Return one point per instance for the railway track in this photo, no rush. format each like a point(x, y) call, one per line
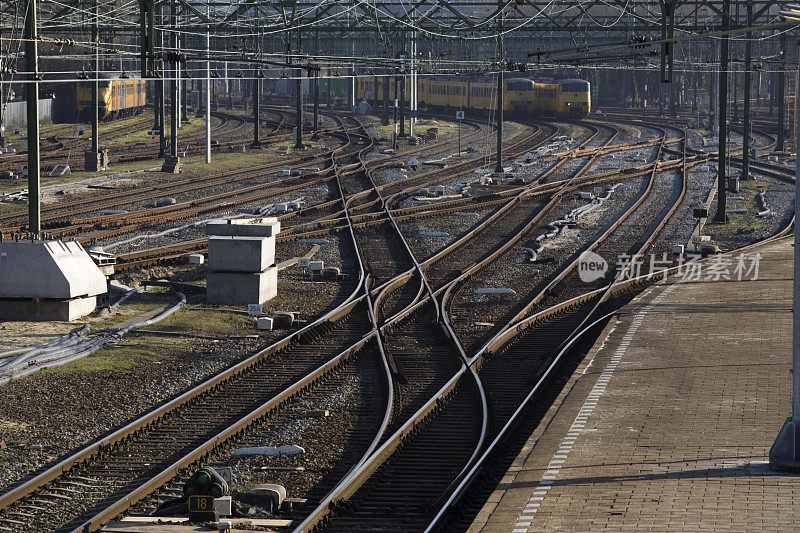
point(361, 502)
point(443, 407)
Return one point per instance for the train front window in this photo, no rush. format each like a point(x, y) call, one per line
point(574, 87)
point(519, 86)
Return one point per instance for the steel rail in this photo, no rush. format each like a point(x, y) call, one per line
point(147, 488)
point(349, 485)
point(519, 329)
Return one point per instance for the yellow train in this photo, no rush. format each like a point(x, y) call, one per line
point(118, 97)
point(568, 98)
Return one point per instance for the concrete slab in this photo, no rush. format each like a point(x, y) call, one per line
point(244, 227)
point(241, 254)
point(668, 422)
point(149, 524)
point(241, 288)
point(40, 310)
point(48, 269)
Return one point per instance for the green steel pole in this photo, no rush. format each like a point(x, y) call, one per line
point(32, 95)
point(498, 167)
point(174, 91)
point(748, 57)
point(723, 119)
point(96, 84)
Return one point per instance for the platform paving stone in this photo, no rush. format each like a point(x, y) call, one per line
point(667, 423)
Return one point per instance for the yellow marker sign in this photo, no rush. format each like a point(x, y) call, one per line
point(201, 504)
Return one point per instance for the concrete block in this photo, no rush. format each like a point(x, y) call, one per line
point(265, 323)
point(273, 495)
point(48, 269)
point(60, 170)
point(492, 290)
point(270, 451)
point(42, 310)
point(293, 504)
point(172, 165)
point(196, 259)
point(94, 161)
point(244, 227)
point(241, 288)
point(316, 266)
point(282, 319)
point(161, 202)
point(330, 273)
point(241, 254)
point(223, 505)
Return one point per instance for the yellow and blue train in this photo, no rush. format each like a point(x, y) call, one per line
point(119, 97)
point(567, 98)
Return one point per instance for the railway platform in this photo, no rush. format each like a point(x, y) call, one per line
point(667, 423)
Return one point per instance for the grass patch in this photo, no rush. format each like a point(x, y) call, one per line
point(125, 312)
point(224, 161)
point(12, 208)
point(193, 166)
point(207, 322)
point(420, 128)
point(740, 223)
point(197, 124)
point(123, 357)
point(751, 187)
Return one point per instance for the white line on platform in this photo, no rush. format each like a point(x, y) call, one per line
point(554, 467)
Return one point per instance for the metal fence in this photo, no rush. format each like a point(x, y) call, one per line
point(16, 114)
